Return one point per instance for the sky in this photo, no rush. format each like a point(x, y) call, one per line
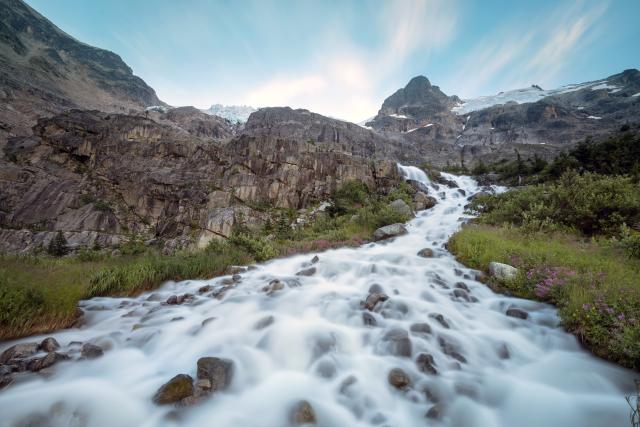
point(342, 58)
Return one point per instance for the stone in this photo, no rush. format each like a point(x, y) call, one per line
point(303, 414)
point(204, 289)
point(426, 253)
point(176, 389)
point(307, 272)
point(273, 286)
point(218, 371)
point(368, 319)
point(440, 319)
point(265, 322)
point(208, 320)
point(451, 350)
point(435, 412)
point(502, 271)
point(399, 378)
point(401, 207)
point(376, 289)
point(315, 259)
point(426, 364)
point(91, 351)
point(47, 361)
point(517, 313)
point(49, 344)
point(422, 201)
point(420, 328)
point(461, 293)
point(389, 231)
point(373, 300)
point(19, 351)
point(462, 285)
point(398, 341)
point(6, 380)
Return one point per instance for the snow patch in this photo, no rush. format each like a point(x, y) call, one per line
point(594, 117)
point(420, 127)
point(635, 94)
point(233, 113)
point(398, 116)
point(603, 86)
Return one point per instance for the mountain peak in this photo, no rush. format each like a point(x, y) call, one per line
point(418, 82)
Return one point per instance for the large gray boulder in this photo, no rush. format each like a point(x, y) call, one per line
point(502, 271)
point(422, 201)
point(402, 207)
point(389, 231)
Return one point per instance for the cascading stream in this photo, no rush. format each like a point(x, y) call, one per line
point(312, 341)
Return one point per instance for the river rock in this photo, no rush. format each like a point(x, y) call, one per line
point(303, 413)
point(422, 201)
point(49, 344)
point(307, 272)
point(426, 363)
point(176, 389)
point(19, 351)
point(47, 361)
point(273, 286)
point(315, 259)
point(426, 253)
point(451, 350)
point(399, 342)
point(435, 412)
point(389, 231)
point(420, 328)
point(399, 378)
point(517, 313)
point(368, 319)
point(401, 207)
point(461, 293)
point(91, 351)
point(265, 322)
point(205, 289)
point(376, 289)
point(502, 271)
point(373, 300)
point(440, 319)
point(217, 371)
point(462, 285)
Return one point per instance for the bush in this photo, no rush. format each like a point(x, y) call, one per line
point(590, 203)
point(58, 245)
point(19, 306)
point(258, 247)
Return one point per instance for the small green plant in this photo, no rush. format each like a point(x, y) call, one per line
point(58, 245)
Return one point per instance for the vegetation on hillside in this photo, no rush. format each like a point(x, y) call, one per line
point(574, 235)
point(39, 293)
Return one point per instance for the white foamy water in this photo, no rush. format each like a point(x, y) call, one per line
point(515, 373)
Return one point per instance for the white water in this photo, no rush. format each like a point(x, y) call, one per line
point(318, 339)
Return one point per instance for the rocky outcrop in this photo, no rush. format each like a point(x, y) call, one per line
point(104, 179)
point(44, 71)
point(502, 271)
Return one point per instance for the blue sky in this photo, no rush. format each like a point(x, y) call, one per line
point(342, 58)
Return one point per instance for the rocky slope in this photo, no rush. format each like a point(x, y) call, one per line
point(44, 71)
point(529, 121)
point(107, 178)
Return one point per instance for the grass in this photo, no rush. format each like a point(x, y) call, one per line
point(40, 293)
point(594, 284)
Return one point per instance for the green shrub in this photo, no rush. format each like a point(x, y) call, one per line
point(590, 203)
point(256, 246)
point(19, 306)
point(132, 247)
point(58, 245)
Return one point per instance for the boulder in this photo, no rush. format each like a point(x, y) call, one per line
point(426, 363)
point(307, 272)
point(389, 231)
point(399, 378)
point(373, 300)
point(420, 328)
point(273, 286)
point(49, 344)
point(418, 186)
point(440, 319)
point(517, 313)
point(19, 351)
point(426, 253)
point(401, 207)
point(398, 341)
point(502, 271)
point(217, 371)
point(47, 361)
point(368, 319)
point(376, 289)
point(91, 351)
point(423, 201)
point(435, 412)
point(303, 413)
point(176, 389)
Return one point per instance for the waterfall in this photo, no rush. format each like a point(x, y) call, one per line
point(443, 336)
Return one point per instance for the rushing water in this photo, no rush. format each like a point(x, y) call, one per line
point(518, 373)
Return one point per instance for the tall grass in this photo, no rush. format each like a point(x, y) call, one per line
point(594, 284)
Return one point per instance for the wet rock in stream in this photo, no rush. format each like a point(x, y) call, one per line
point(399, 378)
point(398, 342)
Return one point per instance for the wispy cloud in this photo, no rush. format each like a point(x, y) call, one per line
point(345, 83)
point(523, 53)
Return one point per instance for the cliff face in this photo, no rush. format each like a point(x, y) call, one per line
point(104, 178)
point(44, 71)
